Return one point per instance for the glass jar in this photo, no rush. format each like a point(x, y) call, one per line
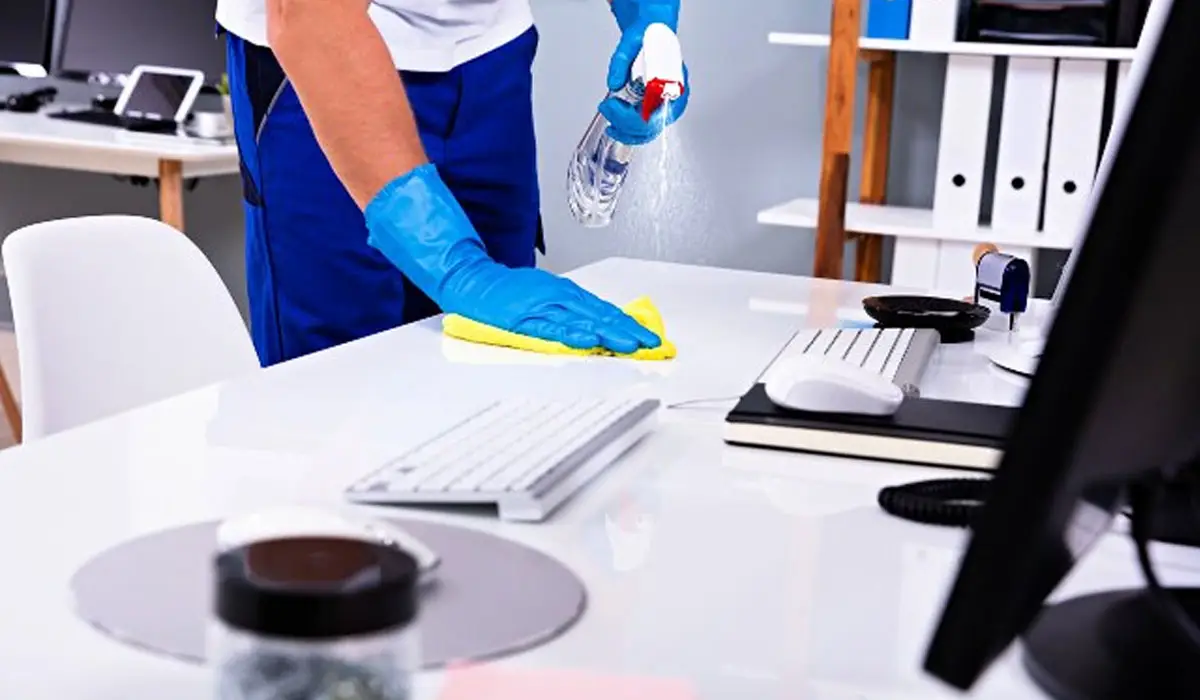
point(315, 618)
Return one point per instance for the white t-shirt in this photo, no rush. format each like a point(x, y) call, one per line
point(423, 35)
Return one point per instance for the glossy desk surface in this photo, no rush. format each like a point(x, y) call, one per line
point(736, 573)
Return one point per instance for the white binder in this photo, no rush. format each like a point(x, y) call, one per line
point(962, 154)
point(1021, 153)
point(933, 20)
point(915, 263)
point(1074, 144)
point(956, 269)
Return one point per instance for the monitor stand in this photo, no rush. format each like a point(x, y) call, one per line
point(1020, 358)
point(1113, 646)
point(1119, 645)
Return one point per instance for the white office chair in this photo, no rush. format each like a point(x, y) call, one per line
point(114, 312)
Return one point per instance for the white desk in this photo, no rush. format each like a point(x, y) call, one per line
point(35, 139)
point(746, 574)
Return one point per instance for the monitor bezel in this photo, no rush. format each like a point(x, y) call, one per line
point(97, 77)
point(44, 69)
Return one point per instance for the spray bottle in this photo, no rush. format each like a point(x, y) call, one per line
point(600, 163)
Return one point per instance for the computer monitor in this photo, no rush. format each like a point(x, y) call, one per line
point(26, 35)
point(105, 40)
point(1112, 418)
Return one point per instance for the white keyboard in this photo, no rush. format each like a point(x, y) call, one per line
point(899, 354)
point(524, 456)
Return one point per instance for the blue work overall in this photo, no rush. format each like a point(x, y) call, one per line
point(313, 281)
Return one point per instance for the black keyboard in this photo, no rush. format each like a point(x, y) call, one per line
point(89, 117)
point(104, 118)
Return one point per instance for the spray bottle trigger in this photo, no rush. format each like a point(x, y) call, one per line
point(658, 91)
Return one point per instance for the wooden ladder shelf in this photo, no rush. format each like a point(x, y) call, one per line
point(837, 145)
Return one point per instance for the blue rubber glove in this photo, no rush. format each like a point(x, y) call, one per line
point(625, 120)
point(627, 124)
point(418, 225)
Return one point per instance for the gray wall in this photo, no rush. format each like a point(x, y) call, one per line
point(751, 139)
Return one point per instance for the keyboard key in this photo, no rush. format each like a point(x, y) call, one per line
point(843, 341)
point(899, 350)
point(897, 354)
point(881, 350)
point(861, 349)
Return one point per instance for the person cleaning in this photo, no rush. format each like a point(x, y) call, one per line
point(389, 169)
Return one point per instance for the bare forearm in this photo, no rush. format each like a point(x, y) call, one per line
point(343, 74)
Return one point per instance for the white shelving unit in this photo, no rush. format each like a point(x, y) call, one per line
point(917, 230)
point(959, 48)
point(909, 222)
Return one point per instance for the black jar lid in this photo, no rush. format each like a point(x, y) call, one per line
point(316, 588)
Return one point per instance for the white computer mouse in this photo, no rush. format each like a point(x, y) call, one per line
point(826, 385)
point(298, 521)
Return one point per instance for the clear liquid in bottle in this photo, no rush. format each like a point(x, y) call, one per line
point(598, 170)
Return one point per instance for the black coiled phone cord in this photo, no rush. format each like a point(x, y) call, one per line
point(945, 502)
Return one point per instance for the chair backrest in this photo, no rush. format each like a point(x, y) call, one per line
point(112, 313)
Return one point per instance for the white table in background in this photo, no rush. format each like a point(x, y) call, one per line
point(35, 139)
point(741, 573)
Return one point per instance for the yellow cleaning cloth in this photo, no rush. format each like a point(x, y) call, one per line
point(642, 310)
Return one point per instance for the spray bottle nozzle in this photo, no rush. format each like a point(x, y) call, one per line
point(658, 93)
point(660, 68)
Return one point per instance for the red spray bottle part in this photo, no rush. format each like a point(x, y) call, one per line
point(658, 91)
point(659, 67)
